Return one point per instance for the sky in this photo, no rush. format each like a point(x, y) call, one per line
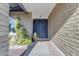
point(12, 22)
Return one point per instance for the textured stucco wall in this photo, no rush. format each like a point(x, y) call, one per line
point(64, 28)
point(26, 20)
point(4, 30)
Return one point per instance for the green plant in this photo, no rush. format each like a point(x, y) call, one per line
point(17, 28)
point(24, 41)
point(22, 35)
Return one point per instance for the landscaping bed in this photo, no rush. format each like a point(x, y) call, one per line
point(17, 50)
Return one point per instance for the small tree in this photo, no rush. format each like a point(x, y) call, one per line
point(21, 32)
point(18, 26)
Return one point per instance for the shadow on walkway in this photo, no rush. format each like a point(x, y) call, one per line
point(28, 50)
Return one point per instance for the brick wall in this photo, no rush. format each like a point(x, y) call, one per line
point(4, 22)
point(64, 28)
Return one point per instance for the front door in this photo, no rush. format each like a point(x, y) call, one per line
point(40, 26)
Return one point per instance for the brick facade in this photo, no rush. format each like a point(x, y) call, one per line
point(4, 22)
point(64, 28)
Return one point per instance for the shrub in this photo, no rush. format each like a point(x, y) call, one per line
point(22, 35)
point(24, 41)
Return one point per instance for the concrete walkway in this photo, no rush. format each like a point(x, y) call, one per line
point(42, 48)
point(45, 48)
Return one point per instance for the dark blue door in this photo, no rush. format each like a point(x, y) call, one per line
point(40, 26)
